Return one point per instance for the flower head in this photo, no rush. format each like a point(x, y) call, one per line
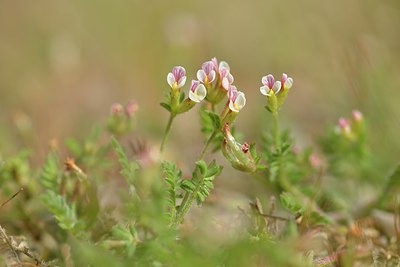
point(315, 161)
point(197, 91)
point(177, 78)
point(237, 99)
point(344, 126)
point(207, 73)
point(286, 81)
point(270, 84)
point(116, 109)
point(357, 116)
point(131, 108)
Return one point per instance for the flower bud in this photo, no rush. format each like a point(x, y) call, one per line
point(131, 108)
point(116, 109)
point(358, 123)
point(357, 116)
point(237, 154)
point(344, 126)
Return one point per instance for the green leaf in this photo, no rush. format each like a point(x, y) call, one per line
point(181, 97)
point(291, 203)
point(49, 177)
point(318, 219)
point(202, 166)
point(128, 168)
point(213, 170)
point(121, 233)
point(173, 177)
point(210, 121)
point(166, 106)
point(392, 187)
point(64, 214)
point(73, 146)
point(188, 186)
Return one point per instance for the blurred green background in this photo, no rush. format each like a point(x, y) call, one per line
point(63, 63)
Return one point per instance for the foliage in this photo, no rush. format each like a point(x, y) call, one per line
point(97, 203)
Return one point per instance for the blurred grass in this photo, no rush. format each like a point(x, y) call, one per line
point(64, 63)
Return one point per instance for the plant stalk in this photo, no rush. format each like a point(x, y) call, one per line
point(190, 197)
point(283, 182)
point(167, 130)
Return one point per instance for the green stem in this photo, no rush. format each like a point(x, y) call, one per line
point(190, 197)
point(276, 130)
point(203, 153)
point(167, 130)
point(284, 183)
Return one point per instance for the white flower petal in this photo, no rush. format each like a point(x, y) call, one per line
point(201, 92)
point(264, 80)
point(223, 65)
point(201, 75)
point(240, 100)
point(181, 81)
point(211, 76)
point(230, 78)
point(277, 86)
point(225, 83)
point(233, 107)
point(194, 97)
point(288, 83)
point(170, 79)
point(264, 90)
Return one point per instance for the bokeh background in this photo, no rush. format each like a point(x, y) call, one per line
point(63, 63)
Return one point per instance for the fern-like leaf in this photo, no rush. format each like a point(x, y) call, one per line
point(58, 206)
point(49, 177)
point(129, 168)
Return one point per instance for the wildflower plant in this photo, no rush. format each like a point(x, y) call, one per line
point(213, 85)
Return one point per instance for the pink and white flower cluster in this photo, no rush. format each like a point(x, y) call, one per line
point(214, 82)
point(218, 81)
point(177, 79)
point(350, 128)
point(270, 85)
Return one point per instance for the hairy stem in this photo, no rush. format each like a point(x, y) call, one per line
point(283, 182)
point(190, 197)
point(167, 130)
point(203, 153)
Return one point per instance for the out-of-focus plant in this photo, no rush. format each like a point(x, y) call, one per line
point(104, 201)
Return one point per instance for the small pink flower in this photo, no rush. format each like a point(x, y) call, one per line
point(275, 86)
point(177, 78)
point(207, 73)
point(131, 108)
point(344, 126)
point(286, 81)
point(357, 116)
point(215, 63)
point(197, 91)
point(226, 77)
point(116, 109)
point(237, 99)
point(223, 71)
point(270, 85)
point(315, 161)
